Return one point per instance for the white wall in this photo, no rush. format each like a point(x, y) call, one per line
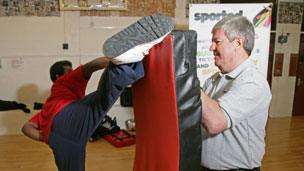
point(283, 87)
point(29, 45)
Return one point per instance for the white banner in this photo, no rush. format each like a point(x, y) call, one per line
point(202, 17)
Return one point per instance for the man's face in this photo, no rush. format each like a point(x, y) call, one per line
point(223, 51)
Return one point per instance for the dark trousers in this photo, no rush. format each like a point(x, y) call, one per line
point(207, 169)
point(75, 123)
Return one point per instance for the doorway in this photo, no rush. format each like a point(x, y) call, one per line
point(298, 107)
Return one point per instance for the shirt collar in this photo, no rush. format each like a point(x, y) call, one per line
point(237, 71)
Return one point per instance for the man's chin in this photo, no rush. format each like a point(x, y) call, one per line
point(217, 64)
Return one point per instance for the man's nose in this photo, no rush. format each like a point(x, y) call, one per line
point(211, 48)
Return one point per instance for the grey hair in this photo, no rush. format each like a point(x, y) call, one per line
point(237, 27)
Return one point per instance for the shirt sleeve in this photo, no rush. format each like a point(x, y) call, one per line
point(242, 100)
point(35, 118)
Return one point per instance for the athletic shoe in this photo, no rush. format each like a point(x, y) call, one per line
point(107, 126)
point(135, 41)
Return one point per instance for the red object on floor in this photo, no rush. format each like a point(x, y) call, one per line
point(155, 109)
point(120, 139)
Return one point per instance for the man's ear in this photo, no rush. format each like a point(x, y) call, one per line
point(238, 42)
point(56, 76)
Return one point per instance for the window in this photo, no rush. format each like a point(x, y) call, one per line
point(113, 5)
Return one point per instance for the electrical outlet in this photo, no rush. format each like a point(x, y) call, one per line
point(65, 46)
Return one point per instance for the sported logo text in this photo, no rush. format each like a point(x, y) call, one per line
point(214, 16)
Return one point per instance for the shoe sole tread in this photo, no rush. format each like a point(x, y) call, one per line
point(144, 30)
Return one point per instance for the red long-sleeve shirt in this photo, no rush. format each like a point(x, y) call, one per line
point(65, 90)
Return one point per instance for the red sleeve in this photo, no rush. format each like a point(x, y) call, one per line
point(35, 118)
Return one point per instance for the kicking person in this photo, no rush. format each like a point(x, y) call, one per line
point(68, 117)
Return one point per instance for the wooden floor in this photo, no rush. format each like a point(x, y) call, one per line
point(284, 144)
point(284, 151)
